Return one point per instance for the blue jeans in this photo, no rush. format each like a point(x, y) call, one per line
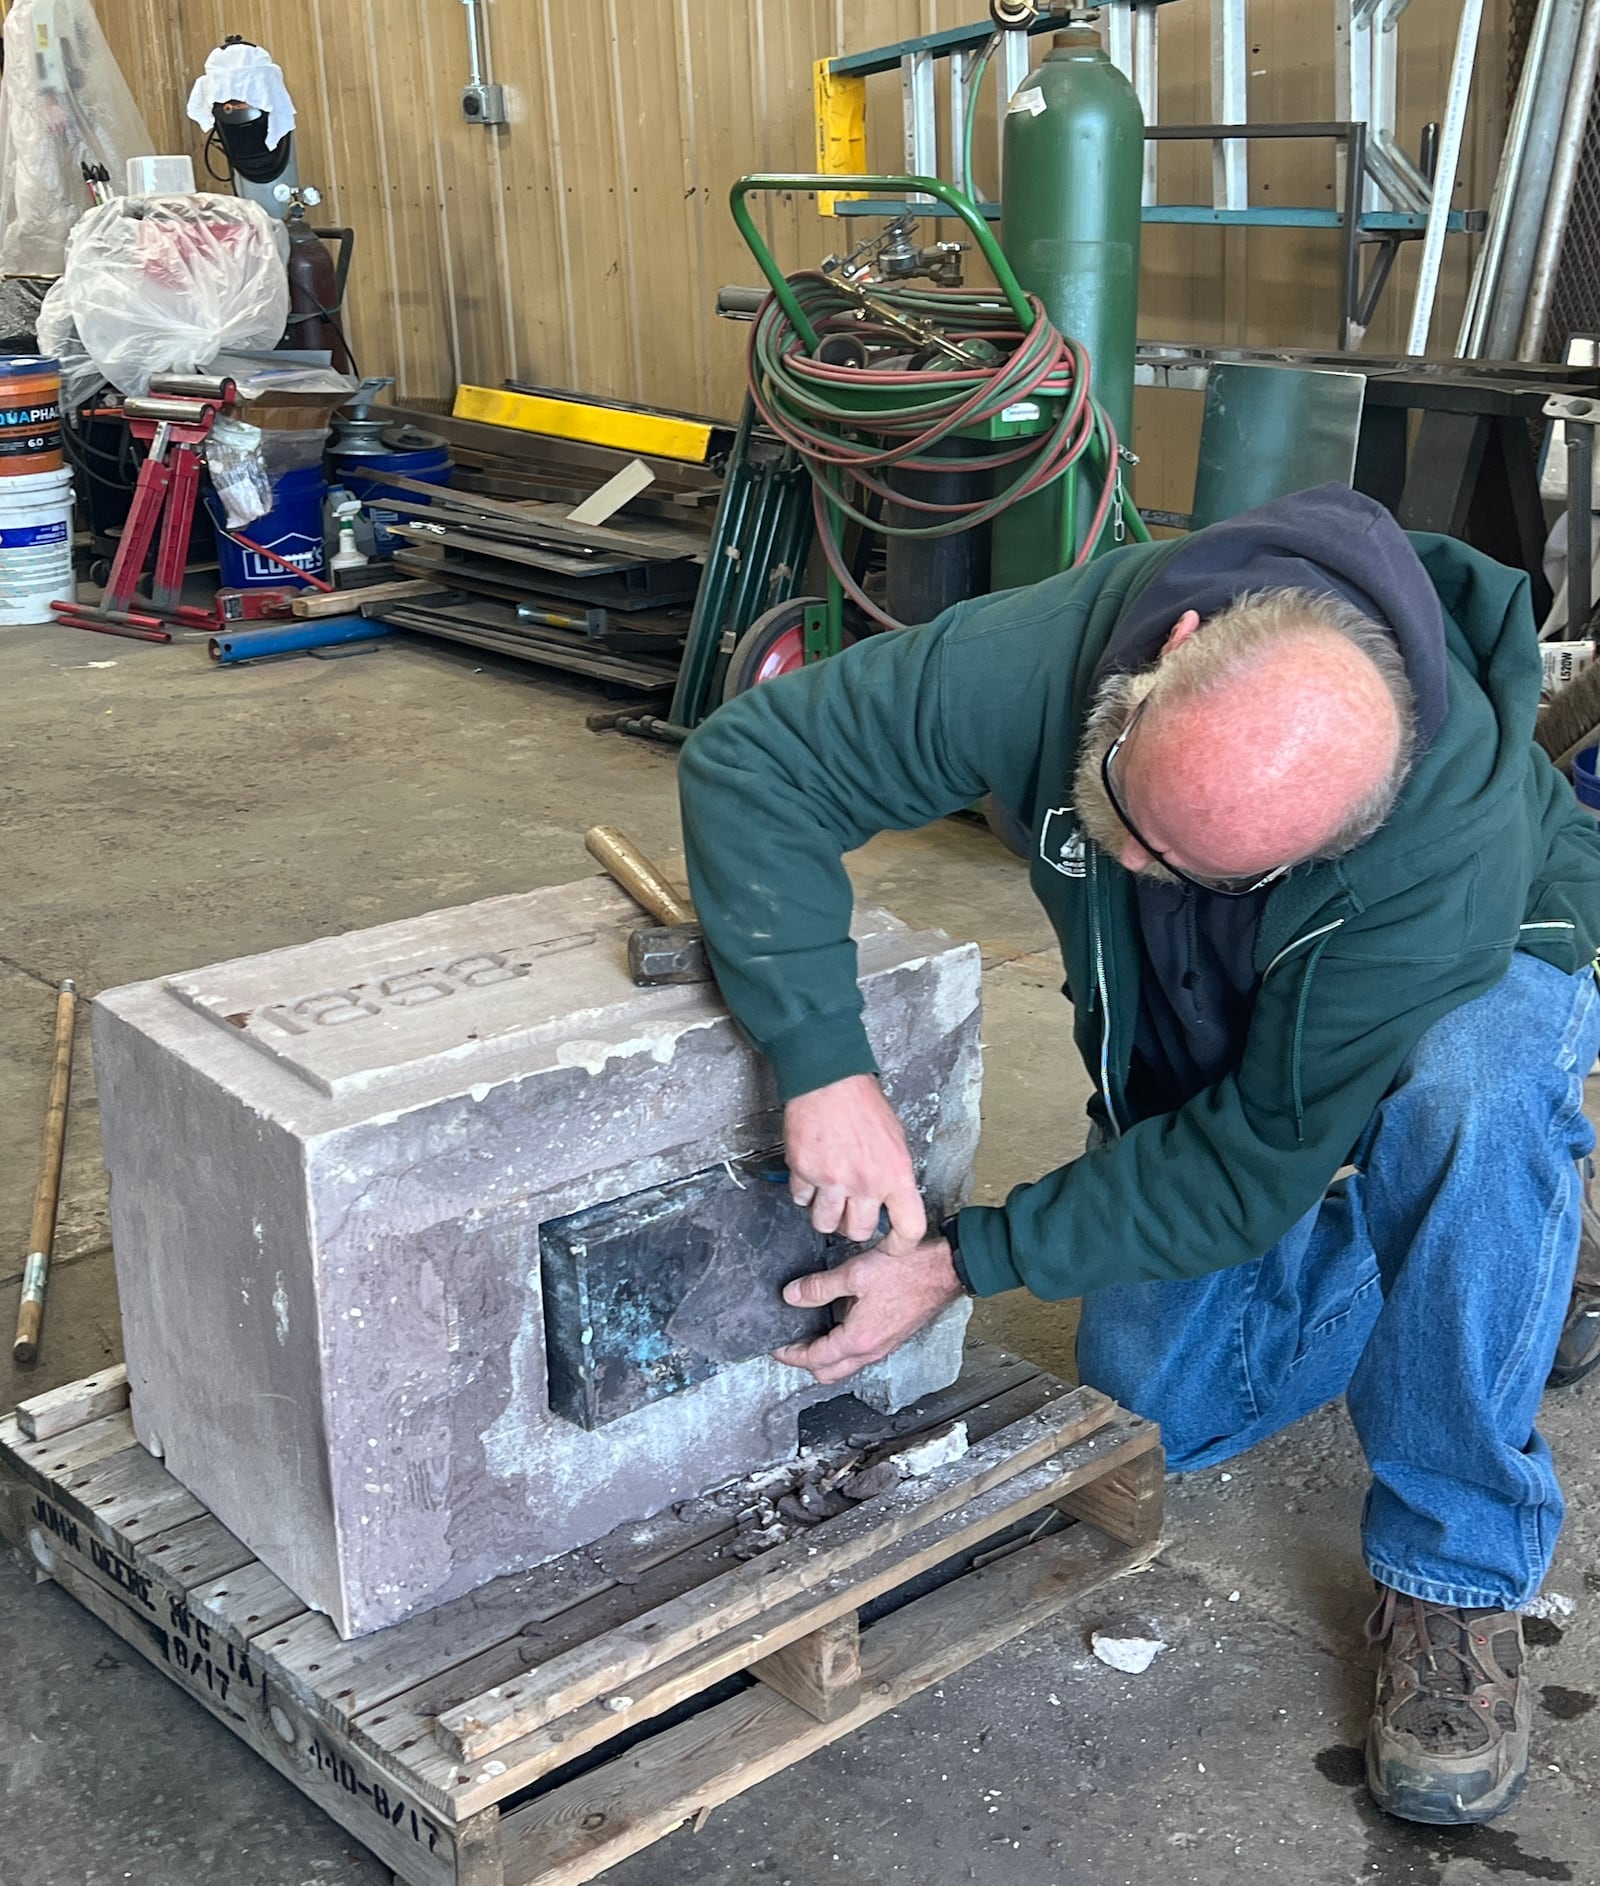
point(1429, 1287)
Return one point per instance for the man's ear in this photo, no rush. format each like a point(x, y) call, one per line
point(1182, 629)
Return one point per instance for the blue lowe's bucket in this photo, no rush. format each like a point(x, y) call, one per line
point(427, 466)
point(1585, 779)
point(293, 528)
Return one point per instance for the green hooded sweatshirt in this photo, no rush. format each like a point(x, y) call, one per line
point(1486, 852)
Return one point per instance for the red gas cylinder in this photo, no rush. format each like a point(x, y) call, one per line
point(313, 292)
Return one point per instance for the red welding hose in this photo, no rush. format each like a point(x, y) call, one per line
point(822, 511)
point(838, 441)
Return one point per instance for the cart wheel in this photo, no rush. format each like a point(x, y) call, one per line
point(773, 645)
point(100, 571)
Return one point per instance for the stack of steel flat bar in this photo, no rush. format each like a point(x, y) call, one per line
point(566, 468)
point(506, 629)
point(611, 600)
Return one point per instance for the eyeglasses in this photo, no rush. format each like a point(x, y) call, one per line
point(1218, 887)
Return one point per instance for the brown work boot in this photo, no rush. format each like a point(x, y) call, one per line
point(1579, 1348)
point(1448, 1741)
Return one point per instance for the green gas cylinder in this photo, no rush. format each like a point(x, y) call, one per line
point(1073, 170)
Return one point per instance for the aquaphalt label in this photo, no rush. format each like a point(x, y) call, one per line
point(27, 430)
point(13, 416)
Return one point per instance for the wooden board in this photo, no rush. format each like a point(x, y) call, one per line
point(355, 1725)
point(59, 1409)
point(820, 1672)
point(578, 465)
point(342, 601)
point(620, 489)
point(596, 425)
point(69, 1453)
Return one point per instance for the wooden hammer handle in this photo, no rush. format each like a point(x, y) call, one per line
point(636, 874)
point(47, 1195)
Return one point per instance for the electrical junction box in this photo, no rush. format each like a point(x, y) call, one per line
point(442, 1249)
point(483, 103)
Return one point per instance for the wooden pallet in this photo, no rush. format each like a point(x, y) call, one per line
point(469, 1746)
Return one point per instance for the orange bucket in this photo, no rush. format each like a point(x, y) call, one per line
point(30, 415)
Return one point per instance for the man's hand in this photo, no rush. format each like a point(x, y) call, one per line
point(848, 1159)
point(896, 1290)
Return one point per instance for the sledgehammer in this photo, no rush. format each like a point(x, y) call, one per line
point(670, 950)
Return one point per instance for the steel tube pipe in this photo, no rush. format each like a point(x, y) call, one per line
point(1486, 268)
point(474, 46)
point(1451, 128)
point(253, 644)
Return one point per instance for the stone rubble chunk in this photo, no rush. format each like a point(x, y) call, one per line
point(1131, 1655)
point(940, 1450)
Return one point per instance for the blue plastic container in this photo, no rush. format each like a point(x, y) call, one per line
point(293, 528)
point(428, 465)
point(1586, 781)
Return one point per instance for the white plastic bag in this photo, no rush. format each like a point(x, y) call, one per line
point(63, 103)
point(162, 284)
point(59, 338)
point(239, 472)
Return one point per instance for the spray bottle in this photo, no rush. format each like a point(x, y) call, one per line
point(348, 556)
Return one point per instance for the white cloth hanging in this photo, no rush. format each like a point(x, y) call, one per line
point(245, 74)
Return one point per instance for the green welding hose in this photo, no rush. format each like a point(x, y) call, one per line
point(974, 84)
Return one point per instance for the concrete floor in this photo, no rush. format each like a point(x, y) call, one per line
point(157, 813)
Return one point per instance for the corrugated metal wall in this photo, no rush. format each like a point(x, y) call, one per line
point(583, 244)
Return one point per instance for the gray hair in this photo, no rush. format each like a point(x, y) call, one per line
point(1264, 619)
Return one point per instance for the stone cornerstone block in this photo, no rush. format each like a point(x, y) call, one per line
point(329, 1169)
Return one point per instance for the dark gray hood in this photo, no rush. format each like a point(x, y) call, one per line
point(1198, 978)
point(1330, 541)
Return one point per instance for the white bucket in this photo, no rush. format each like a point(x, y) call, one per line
point(35, 545)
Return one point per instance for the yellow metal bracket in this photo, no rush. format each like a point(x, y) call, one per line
point(658, 435)
point(841, 105)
